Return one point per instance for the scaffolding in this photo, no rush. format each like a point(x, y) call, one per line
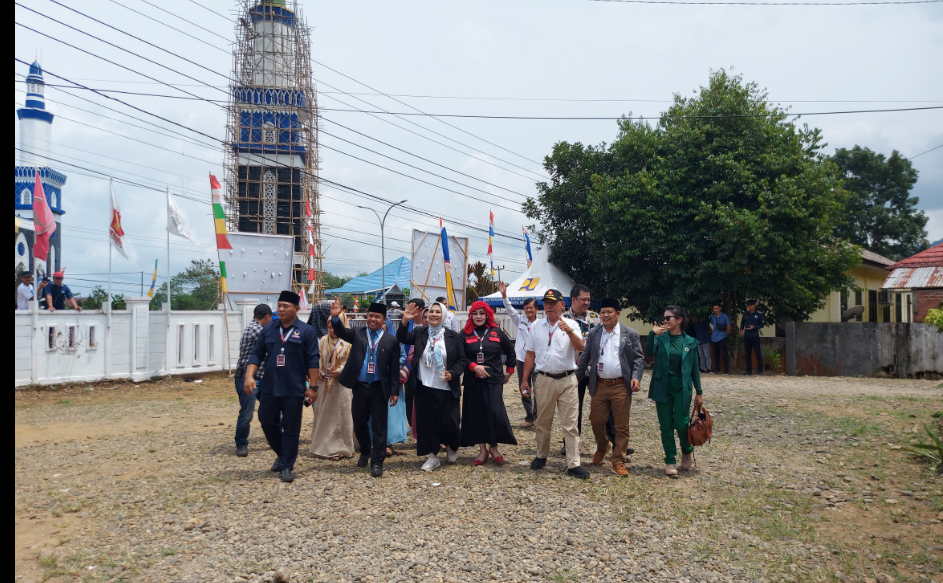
point(272, 160)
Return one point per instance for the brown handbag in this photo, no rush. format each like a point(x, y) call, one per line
point(701, 428)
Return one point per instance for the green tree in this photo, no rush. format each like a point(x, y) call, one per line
point(96, 300)
point(196, 288)
point(724, 199)
point(881, 216)
point(332, 281)
point(484, 284)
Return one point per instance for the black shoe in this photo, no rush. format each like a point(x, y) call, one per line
point(242, 452)
point(376, 471)
point(364, 461)
point(277, 466)
point(578, 472)
point(538, 463)
point(563, 451)
point(629, 451)
point(287, 476)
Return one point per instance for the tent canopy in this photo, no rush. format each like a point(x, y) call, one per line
point(397, 274)
point(535, 282)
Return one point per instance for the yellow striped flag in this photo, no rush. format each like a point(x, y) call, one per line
point(219, 216)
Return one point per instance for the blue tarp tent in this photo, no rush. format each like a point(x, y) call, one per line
point(397, 273)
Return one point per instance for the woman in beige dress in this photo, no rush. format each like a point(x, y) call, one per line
point(332, 436)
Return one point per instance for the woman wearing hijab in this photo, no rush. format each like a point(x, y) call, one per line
point(332, 436)
point(437, 365)
point(484, 418)
point(318, 319)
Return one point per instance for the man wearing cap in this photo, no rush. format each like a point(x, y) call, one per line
point(750, 327)
point(552, 347)
point(24, 292)
point(372, 372)
point(262, 317)
point(579, 312)
point(289, 351)
point(58, 294)
point(615, 361)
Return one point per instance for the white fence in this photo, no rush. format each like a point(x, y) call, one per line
point(137, 344)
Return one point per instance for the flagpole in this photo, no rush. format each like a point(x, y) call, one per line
point(110, 247)
point(168, 257)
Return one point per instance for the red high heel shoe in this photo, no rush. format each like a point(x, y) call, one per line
point(479, 462)
point(499, 459)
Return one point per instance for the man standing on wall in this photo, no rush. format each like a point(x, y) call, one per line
point(289, 350)
point(58, 294)
point(750, 327)
point(262, 317)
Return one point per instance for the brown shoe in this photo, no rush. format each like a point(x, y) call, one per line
point(620, 470)
point(528, 425)
point(687, 461)
point(600, 455)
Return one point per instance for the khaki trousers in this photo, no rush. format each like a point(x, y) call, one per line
point(552, 395)
point(617, 400)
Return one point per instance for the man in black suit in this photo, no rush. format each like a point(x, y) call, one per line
point(372, 372)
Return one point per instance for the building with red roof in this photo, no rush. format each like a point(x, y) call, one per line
point(922, 276)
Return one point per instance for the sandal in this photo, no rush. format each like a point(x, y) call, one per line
point(498, 459)
point(480, 462)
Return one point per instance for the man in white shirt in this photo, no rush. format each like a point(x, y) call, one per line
point(450, 322)
point(523, 324)
point(612, 363)
point(24, 293)
point(552, 347)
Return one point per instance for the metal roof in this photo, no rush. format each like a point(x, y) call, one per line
point(914, 278)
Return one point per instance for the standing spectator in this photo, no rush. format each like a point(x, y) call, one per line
point(554, 359)
point(24, 293)
point(720, 322)
point(405, 373)
point(262, 317)
point(580, 298)
point(523, 331)
point(58, 294)
point(702, 331)
point(750, 327)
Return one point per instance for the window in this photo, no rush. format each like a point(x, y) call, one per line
point(73, 336)
point(51, 339)
point(872, 305)
point(180, 345)
point(898, 308)
point(910, 308)
point(211, 345)
point(269, 202)
point(859, 301)
point(196, 345)
point(886, 314)
point(843, 303)
point(92, 338)
point(26, 197)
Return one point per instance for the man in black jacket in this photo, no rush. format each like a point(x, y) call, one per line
point(372, 372)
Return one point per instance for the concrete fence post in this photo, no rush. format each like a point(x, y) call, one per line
point(140, 334)
point(790, 328)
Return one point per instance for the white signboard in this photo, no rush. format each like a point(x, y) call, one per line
point(259, 265)
point(427, 280)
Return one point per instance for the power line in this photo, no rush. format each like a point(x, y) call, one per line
point(223, 16)
point(927, 152)
point(185, 20)
point(680, 3)
point(171, 27)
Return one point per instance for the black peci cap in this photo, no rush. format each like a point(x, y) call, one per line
point(611, 303)
point(378, 308)
point(289, 297)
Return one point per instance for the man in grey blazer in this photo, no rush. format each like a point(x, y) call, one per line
point(613, 362)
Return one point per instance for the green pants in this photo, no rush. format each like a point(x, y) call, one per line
point(673, 416)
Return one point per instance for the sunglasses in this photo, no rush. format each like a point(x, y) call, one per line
point(666, 318)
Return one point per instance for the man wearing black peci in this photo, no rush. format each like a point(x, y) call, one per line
point(372, 372)
point(289, 349)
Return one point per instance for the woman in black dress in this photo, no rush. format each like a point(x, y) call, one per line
point(484, 419)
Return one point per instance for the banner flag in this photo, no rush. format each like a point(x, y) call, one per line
point(150, 293)
point(115, 230)
point(175, 221)
point(311, 250)
point(43, 221)
point(530, 256)
point(219, 217)
point(450, 292)
point(490, 244)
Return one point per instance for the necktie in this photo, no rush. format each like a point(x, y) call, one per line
point(372, 356)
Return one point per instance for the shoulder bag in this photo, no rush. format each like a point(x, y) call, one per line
point(701, 428)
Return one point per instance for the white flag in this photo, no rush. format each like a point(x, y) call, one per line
point(175, 221)
point(115, 231)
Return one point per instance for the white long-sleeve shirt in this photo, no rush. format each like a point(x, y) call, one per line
point(523, 331)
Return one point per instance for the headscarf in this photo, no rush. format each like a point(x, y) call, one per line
point(479, 305)
point(334, 353)
point(320, 314)
point(432, 356)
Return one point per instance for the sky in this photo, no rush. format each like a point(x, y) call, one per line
point(523, 58)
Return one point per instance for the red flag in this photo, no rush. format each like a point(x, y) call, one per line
point(44, 221)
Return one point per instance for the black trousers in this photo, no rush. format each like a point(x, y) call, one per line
point(752, 345)
point(530, 405)
point(409, 389)
point(369, 402)
point(438, 420)
point(281, 422)
point(720, 352)
point(610, 425)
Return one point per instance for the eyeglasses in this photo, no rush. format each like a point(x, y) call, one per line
point(666, 318)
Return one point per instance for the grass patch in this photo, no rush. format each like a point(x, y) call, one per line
point(64, 402)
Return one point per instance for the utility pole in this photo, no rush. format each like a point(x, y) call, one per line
point(499, 269)
point(383, 238)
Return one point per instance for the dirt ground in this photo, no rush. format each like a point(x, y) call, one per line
point(806, 479)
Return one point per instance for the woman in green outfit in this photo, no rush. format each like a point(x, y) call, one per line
point(676, 372)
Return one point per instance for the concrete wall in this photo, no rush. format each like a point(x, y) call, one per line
point(864, 349)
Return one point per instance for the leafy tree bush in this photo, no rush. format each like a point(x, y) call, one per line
point(196, 288)
point(96, 300)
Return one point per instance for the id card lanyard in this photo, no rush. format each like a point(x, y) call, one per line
point(481, 351)
point(372, 366)
point(602, 348)
point(281, 332)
